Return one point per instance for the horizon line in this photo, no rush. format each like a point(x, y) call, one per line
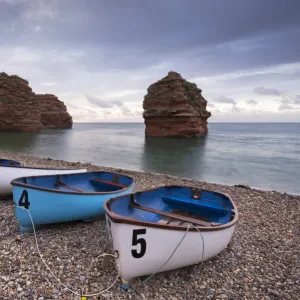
point(116, 122)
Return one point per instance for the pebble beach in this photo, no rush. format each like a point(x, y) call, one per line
point(261, 262)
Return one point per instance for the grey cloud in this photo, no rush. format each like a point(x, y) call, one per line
point(126, 111)
point(86, 113)
point(79, 22)
point(102, 45)
point(253, 102)
point(224, 99)
point(132, 113)
point(133, 35)
point(297, 100)
point(235, 109)
point(287, 100)
point(103, 103)
point(266, 91)
point(284, 107)
point(292, 100)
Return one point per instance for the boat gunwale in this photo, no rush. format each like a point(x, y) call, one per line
point(10, 160)
point(116, 218)
point(37, 168)
point(29, 186)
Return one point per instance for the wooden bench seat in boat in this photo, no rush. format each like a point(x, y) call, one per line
point(181, 200)
point(60, 183)
point(77, 189)
point(170, 221)
point(109, 182)
point(172, 215)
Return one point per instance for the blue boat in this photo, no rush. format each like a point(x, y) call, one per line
point(66, 197)
point(8, 162)
point(168, 227)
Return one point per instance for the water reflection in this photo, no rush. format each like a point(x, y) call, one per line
point(176, 156)
point(18, 141)
point(55, 143)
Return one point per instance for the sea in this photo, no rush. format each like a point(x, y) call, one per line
point(262, 155)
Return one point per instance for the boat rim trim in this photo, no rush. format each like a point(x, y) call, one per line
point(50, 169)
point(116, 218)
point(26, 185)
point(11, 161)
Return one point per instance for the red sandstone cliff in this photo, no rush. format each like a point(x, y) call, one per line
point(53, 112)
point(175, 107)
point(23, 110)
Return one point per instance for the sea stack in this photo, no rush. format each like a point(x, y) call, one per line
point(23, 110)
point(175, 107)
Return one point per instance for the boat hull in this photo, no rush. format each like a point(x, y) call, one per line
point(144, 250)
point(48, 207)
point(8, 173)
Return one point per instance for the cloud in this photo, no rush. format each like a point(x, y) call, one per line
point(38, 28)
point(103, 103)
point(71, 105)
point(249, 30)
point(253, 102)
point(266, 91)
point(49, 83)
point(117, 49)
point(126, 111)
point(285, 106)
point(297, 100)
point(224, 99)
point(235, 109)
point(292, 100)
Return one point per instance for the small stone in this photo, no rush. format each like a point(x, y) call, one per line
point(94, 284)
point(82, 278)
point(143, 296)
point(209, 291)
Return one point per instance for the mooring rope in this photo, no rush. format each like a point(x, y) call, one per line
point(172, 254)
point(112, 255)
point(57, 279)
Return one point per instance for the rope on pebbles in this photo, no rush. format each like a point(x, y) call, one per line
point(57, 279)
point(81, 294)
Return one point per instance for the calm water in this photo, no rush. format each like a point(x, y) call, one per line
point(265, 156)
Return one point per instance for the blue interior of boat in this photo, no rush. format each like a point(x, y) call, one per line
point(211, 207)
point(7, 162)
point(82, 182)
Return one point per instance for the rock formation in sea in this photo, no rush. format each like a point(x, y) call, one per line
point(175, 107)
point(53, 112)
point(23, 110)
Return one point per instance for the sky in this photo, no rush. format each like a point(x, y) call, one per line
point(99, 57)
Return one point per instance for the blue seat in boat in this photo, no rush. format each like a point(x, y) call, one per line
point(185, 201)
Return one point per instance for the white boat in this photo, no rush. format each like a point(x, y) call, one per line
point(146, 228)
point(10, 170)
